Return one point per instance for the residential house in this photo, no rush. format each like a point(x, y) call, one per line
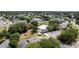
point(43, 28)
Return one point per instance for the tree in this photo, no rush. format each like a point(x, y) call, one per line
point(55, 42)
point(18, 27)
point(45, 17)
point(50, 43)
point(14, 36)
point(13, 43)
point(77, 18)
point(21, 17)
point(29, 26)
point(3, 33)
point(28, 19)
point(50, 28)
point(33, 45)
point(34, 26)
point(1, 41)
point(77, 22)
point(53, 25)
point(68, 36)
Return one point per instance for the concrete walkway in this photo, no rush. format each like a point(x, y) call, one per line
point(5, 44)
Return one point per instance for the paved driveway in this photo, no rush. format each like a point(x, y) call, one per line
point(5, 44)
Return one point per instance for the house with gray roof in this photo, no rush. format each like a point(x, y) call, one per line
point(63, 25)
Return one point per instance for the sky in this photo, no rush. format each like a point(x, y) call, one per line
point(39, 5)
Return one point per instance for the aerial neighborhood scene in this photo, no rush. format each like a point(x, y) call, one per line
point(39, 29)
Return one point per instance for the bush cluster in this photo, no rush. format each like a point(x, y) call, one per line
point(69, 35)
point(45, 43)
point(34, 26)
point(53, 25)
point(18, 27)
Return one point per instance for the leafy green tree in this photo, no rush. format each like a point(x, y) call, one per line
point(34, 26)
point(14, 36)
point(77, 18)
point(55, 42)
point(29, 26)
point(77, 22)
point(28, 19)
point(1, 41)
point(53, 25)
point(68, 36)
point(13, 43)
point(18, 27)
point(50, 28)
point(21, 17)
point(50, 43)
point(3, 33)
point(45, 17)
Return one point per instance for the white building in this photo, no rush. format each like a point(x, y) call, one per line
point(43, 28)
point(37, 19)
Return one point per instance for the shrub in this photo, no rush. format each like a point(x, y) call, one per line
point(34, 26)
point(1, 41)
point(33, 45)
point(77, 22)
point(6, 34)
point(50, 43)
point(29, 26)
point(28, 19)
point(3, 34)
point(50, 28)
point(14, 36)
point(13, 43)
point(55, 42)
point(21, 17)
point(53, 25)
point(77, 19)
point(45, 17)
point(34, 23)
point(68, 36)
point(45, 43)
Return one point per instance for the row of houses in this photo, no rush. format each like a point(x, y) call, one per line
point(63, 25)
